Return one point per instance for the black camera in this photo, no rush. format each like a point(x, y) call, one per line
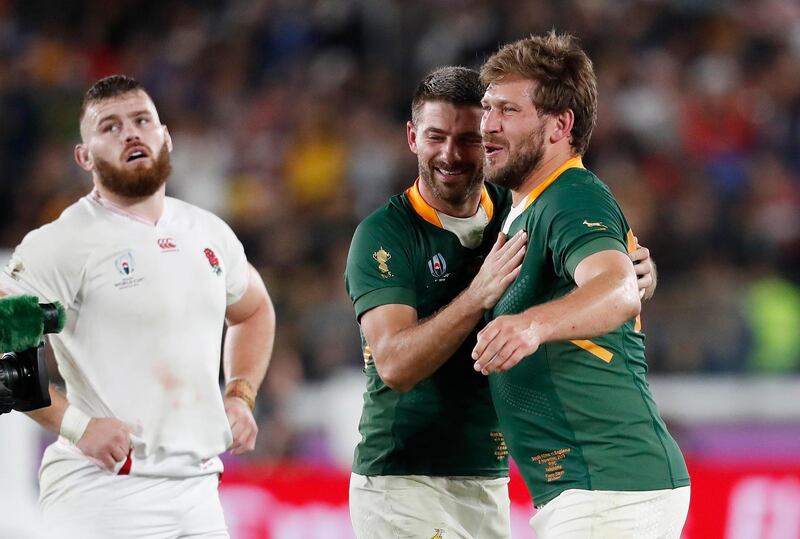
point(24, 376)
point(23, 371)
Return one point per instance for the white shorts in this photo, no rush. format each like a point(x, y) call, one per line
point(419, 506)
point(603, 514)
point(97, 504)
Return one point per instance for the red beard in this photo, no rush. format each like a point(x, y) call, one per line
point(138, 182)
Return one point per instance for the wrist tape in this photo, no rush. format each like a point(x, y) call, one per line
point(238, 387)
point(74, 424)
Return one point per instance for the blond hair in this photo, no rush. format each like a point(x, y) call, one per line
point(565, 77)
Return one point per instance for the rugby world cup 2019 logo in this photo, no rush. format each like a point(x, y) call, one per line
point(437, 265)
point(125, 264)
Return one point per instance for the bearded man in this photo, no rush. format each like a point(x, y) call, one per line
point(147, 282)
point(421, 272)
point(563, 351)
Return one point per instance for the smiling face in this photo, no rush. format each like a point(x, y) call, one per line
point(447, 141)
point(124, 145)
point(513, 132)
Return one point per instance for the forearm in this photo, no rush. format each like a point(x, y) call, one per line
point(415, 353)
point(598, 306)
point(50, 418)
point(248, 346)
point(406, 350)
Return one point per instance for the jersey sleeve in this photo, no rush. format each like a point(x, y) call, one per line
point(236, 267)
point(379, 269)
point(584, 221)
point(45, 266)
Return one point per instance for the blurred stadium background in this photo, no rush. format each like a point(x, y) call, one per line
point(288, 120)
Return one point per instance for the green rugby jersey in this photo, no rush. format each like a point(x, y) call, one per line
point(579, 414)
point(444, 426)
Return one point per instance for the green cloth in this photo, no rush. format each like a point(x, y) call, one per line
point(444, 426)
point(571, 419)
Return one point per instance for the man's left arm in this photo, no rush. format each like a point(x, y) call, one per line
point(607, 296)
point(248, 347)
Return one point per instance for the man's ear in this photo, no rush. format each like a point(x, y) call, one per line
point(83, 158)
point(562, 126)
point(411, 135)
point(167, 138)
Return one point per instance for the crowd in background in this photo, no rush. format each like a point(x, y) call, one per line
point(288, 118)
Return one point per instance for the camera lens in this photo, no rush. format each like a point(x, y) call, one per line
point(11, 371)
point(50, 317)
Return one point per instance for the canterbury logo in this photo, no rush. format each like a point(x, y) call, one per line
point(167, 243)
point(601, 226)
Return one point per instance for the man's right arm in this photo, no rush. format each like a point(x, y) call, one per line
point(50, 418)
point(406, 350)
point(105, 440)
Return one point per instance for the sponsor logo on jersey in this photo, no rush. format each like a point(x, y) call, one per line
point(124, 264)
point(599, 226)
point(213, 261)
point(437, 265)
point(167, 244)
point(382, 256)
point(438, 533)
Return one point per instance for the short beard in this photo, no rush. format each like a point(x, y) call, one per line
point(456, 198)
point(520, 165)
point(140, 182)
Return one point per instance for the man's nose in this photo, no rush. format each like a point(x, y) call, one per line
point(130, 133)
point(452, 151)
point(490, 121)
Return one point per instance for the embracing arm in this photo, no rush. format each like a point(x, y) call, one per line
point(248, 347)
point(406, 350)
point(606, 297)
point(645, 268)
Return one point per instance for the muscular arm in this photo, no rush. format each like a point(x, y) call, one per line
point(106, 440)
point(248, 347)
point(50, 417)
point(406, 350)
point(607, 295)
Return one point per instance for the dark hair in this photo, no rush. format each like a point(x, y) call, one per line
point(451, 84)
point(107, 87)
point(564, 74)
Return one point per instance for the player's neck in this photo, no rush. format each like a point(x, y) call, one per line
point(147, 209)
point(467, 208)
point(554, 158)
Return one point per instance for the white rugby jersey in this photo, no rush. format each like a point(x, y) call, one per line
point(145, 308)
